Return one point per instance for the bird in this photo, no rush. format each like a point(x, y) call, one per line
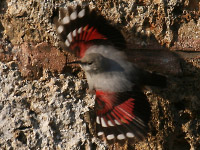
point(122, 110)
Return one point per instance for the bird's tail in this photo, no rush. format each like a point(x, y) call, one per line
point(154, 79)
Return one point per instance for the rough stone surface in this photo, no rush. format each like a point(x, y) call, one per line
point(5, 51)
point(33, 59)
point(52, 111)
point(39, 114)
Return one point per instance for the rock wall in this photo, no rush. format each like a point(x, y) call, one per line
point(44, 103)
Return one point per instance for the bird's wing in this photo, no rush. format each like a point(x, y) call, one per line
point(122, 116)
point(81, 27)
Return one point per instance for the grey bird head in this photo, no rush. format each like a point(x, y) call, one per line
point(93, 63)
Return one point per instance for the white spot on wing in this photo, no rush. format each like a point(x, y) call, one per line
point(117, 122)
point(100, 133)
point(73, 16)
point(65, 20)
point(69, 36)
point(103, 123)
point(129, 134)
point(81, 13)
point(110, 137)
point(120, 137)
point(110, 123)
point(60, 29)
point(79, 30)
point(98, 120)
point(74, 33)
point(67, 42)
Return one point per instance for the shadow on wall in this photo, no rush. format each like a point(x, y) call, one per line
point(1, 30)
point(180, 115)
point(176, 108)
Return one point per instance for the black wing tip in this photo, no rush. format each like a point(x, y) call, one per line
point(159, 80)
point(113, 34)
point(153, 79)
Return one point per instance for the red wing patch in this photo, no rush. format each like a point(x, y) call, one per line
point(82, 27)
point(121, 116)
point(81, 40)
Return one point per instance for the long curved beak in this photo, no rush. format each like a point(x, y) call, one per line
point(75, 62)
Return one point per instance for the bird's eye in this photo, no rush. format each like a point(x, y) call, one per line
point(90, 63)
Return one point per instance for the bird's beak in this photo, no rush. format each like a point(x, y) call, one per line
point(74, 62)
